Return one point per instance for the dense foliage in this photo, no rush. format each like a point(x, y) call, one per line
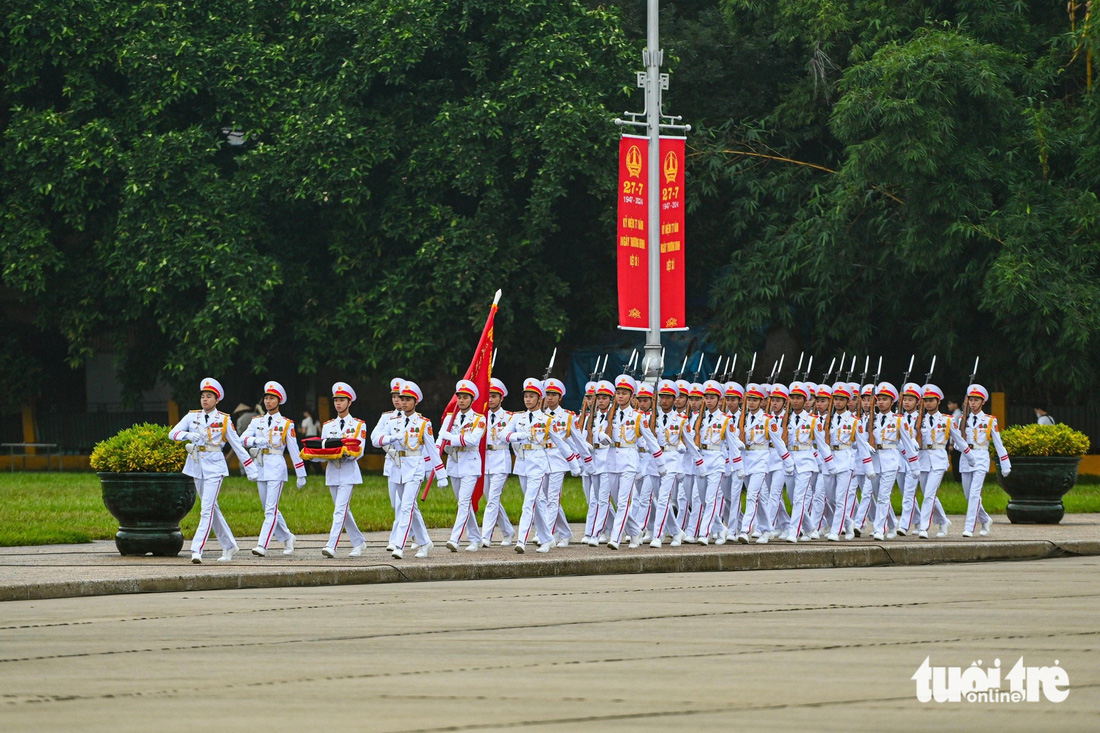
point(1045, 440)
point(883, 175)
point(144, 448)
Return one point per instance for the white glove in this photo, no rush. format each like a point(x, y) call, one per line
point(301, 482)
point(195, 438)
point(661, 470)
point(574, 469)
point(442, 481)
point(190, 447)
point(521, 437)
point(447, 435)
point(260, 443)
point(740, 473)
point(871, 475)
point(871, 449)
point(788, 470)
point(971, 459)
point(1006, 468)
point(252, 474)
point(605, 439)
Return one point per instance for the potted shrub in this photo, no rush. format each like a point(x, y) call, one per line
point(1044, 469)
point(144, 490)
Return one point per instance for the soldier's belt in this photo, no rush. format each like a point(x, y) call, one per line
point(842, 447)
point(887, 445)
point(710, 447)
point(272, 451)
point(799, 447)
point(758, 447)
point(496, 447)
point(535, 446)
point(621, 444)
point(208, 449)
point(978, 445)
point(935, 446)
point(463, 448)
point(406, 453)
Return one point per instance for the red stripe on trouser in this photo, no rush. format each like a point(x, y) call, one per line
point(626, 515)
point(211, 523)
point(275, 519)
point(343, 521)
point(412, 513)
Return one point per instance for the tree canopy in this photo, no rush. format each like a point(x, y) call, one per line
point(341, 185)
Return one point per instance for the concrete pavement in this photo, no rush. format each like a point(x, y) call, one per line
point(819, 650)
point(96, 568)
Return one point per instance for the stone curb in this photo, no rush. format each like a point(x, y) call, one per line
point(697, 560)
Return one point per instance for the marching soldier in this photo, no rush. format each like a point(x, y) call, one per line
point(648, 477)
point(669, 432)
point(267, 438)
point(564, 455)
point(780, 469)
point(342, 475)
point(891, 441)
point(806, 441)
point(498, 465)
point(686, 489)
point(625, 433)
point(416, 457)
point(207, 431)
point(380, 429)
point(911, 397)
point(530, 433)
point(605, 391)
point(463, 443)
point(936, 433)
point(761, 434)
point(979, 430)
point(716, 440)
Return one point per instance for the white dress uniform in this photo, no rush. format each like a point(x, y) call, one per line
point(669, 433)
point(498, 465)
point(623, 434)
point(208, 433)
point(382, 427)
point(978, 431)
point(686, 486)
point(807, 442)
point(416, 456)
point(937, 432)
point(762, 434)
point(463, 434)
point(716, 444)
point(564, 455)
point(341, 477)
point(865, 472)
point(268, 437)
point(596, 463)
point(890, 440)
point(529, 432)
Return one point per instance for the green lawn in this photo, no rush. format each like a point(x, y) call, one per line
point(49, 508)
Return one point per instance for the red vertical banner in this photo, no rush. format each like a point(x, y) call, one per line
point(631, 231)
point(673, 310)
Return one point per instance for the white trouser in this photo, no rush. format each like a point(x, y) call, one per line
point(910, 509)
point(798, 523)
point(755, 501)
point(210, 515)
point(863, 506)
point(606, 515)
point(394, 485)
point(465, 517)
point(776, 511)
point(881, 488)
point(534, 511)
point(408, 518)
point(972, 487)
point(622, 486)
point(930, 483)
point(342, 518)
point(555, 513)
point(843, 489)
point(820, 502)
point(591, 486)
point(683, 499)
point(733, 523)
point(665, 522)
point(704, 506)
point(495, 516)
point(644, 486)
point(274, 524)
point(725, 500)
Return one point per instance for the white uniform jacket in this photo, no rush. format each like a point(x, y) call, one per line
point(276, 436)
point(210, 432)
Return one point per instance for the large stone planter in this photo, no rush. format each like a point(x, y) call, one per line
point(148, 507)
point(1035, 488)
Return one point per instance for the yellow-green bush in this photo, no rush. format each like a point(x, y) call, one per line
point(143, 448)
point(1045, 440)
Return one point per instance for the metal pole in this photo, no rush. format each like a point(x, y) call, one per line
point(652, 58)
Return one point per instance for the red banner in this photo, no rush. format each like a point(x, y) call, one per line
point(672, 234)
point(632, 234)
point(479, 372)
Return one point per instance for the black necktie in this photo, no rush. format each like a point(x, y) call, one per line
point(342, 423)
point(796, 421)
point(406, 422)
point(620, 415)
point(462, 420)
point(269, 421)
point(207, 417)
point(664, 420)
point(492, 418)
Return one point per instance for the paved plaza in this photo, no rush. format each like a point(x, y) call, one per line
point(829, 649)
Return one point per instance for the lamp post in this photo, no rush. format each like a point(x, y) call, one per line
point(653, 82)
